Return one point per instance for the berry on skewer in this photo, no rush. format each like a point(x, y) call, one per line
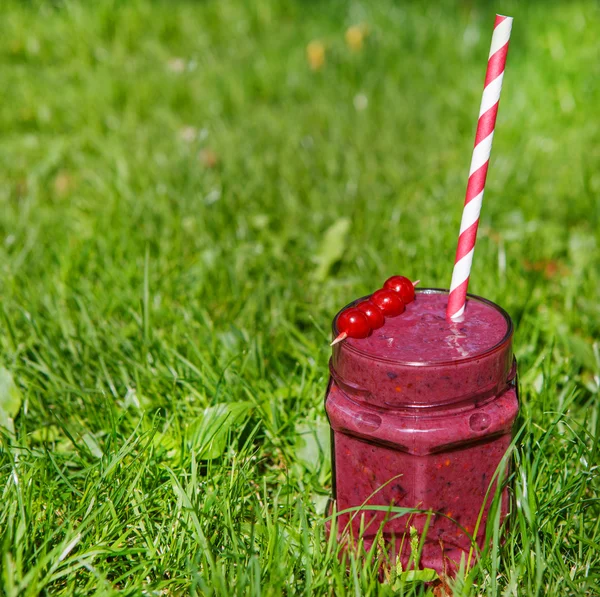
point(402, 286)
point(388, 301)
point(373, 313)
point(352, 323)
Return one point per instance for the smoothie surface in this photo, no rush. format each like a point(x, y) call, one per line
point(423, 334)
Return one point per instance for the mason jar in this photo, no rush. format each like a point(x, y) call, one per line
point(422, 414)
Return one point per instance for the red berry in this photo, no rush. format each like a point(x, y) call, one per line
point(353, 323)
point(402, 286)
point(373, 313)
point(388, 301)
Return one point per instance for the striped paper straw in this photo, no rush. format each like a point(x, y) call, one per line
point(479, 167)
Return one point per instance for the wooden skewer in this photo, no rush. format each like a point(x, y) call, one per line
point(344, 335)
point(340, 337)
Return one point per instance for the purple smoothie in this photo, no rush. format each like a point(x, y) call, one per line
point(422, 413)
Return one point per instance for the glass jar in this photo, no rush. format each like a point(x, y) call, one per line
point(421, 434)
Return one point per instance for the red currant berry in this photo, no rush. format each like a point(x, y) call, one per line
point(388, 301)
point(373, 313)
point(402, 286)
point(354, 323)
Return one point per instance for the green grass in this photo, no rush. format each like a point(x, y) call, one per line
point(142, 284)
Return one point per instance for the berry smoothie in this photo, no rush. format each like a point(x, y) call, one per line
point(422, 412)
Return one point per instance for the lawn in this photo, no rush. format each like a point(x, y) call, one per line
point(186, 201)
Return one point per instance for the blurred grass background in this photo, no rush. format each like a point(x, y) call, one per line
point(189, 191)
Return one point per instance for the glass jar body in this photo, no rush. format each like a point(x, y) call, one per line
point(429, 436)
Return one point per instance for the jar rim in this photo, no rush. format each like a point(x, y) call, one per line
point(502, 343)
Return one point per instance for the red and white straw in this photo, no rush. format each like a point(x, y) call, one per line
point(479, 166)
